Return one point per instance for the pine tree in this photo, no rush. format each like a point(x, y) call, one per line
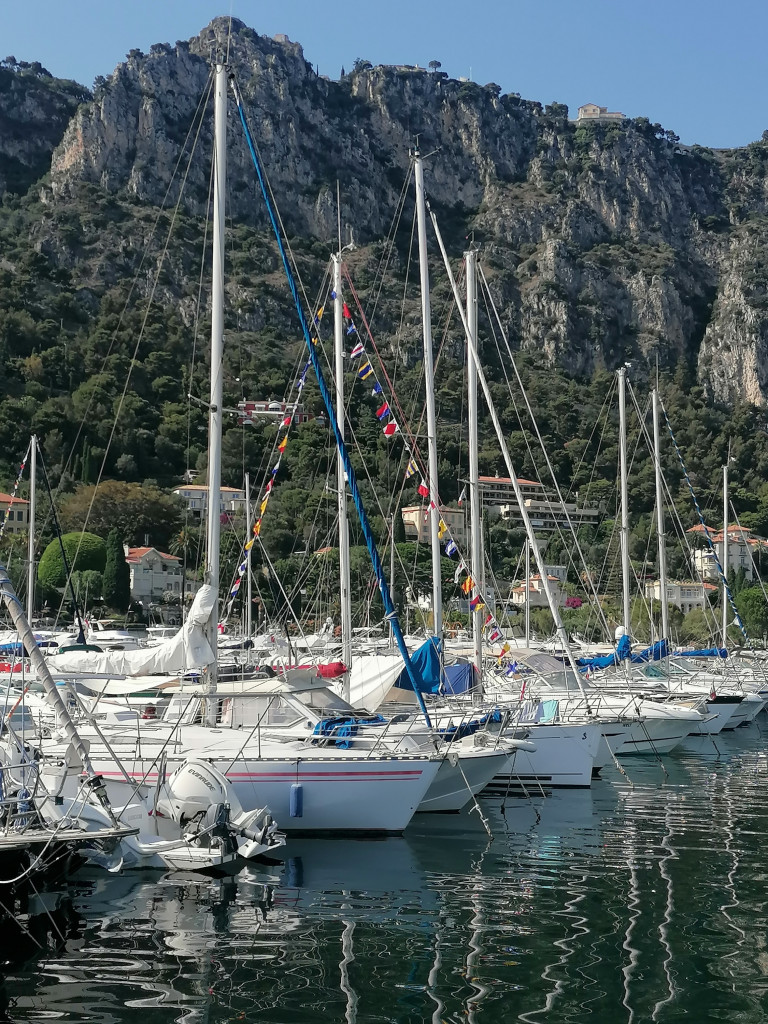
point(117, 575)
point(86, 472)
point(399, 527)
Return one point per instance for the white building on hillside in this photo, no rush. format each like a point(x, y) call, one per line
point(195, 497)
point(536, 596)
point(156, 575)
point(416, 523)
point(686, 595)
point(15, 511)
point(546, 514)
point(743, 547)
point(593, 112)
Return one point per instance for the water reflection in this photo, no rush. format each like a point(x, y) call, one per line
point(642, 899)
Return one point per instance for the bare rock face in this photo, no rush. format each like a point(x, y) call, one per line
point(733, 358)
point(35, 109)
point(603, 242)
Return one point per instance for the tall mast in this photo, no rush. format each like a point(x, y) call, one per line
point(476, 534)
point(539, 558)
point(429, 384)
point(527, 593)
point(662, 537)
point(248, 585)
point(624, 531)
point(31, 528)
point(725, 550)
point(341, 480)
point(217, 359)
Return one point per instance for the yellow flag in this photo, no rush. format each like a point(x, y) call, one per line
point(441, 528)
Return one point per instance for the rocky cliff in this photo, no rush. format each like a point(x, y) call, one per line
point(35, 108)
point(604, 242)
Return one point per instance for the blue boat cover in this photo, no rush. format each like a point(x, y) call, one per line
point(623, 650)
point(426, 664)
point(708, 652)
point(458, 678)
point(658, 651)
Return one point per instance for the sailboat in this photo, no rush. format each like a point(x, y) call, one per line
point(306, 786)
point(194, 822)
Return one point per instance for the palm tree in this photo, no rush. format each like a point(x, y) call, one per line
point(185, 543)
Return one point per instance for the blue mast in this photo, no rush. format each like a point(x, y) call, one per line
point(378, 568)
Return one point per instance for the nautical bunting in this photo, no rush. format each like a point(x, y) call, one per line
point(14, 491)
point(365, 372)
point(287, 423)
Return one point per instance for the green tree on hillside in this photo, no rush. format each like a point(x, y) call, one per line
point(117, 575)
point(83, 551)
point(134, 510)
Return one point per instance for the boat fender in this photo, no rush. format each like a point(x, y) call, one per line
point(297, 800)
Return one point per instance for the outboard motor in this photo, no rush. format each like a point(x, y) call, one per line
point(191, 791)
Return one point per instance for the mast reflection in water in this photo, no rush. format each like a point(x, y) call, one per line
point(634, 901)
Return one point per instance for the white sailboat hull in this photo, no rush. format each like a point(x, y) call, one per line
point(564, 756)
point(461, 776)
point(655, 736)
point(364, 795)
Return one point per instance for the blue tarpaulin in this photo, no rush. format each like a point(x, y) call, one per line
point(655, 653)
point(426, 664)
point(623, 650)
point(708, 652)
point(458, 678)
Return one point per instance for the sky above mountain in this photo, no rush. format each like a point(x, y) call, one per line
point(695, 67)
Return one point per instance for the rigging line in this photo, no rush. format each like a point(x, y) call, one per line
point(147, 310)
point(67, 570)
point(539, 437)
point(161, 210)
point(283, 243)
point(753, 565)
point(724, 581)
point(276, 576)
point(385, 514)
point(351, 478)
point(408, 263)
point(389, 246)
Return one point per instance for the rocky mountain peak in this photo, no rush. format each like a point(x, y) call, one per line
point(606, 241)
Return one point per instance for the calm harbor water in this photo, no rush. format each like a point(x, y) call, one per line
point(640, 900)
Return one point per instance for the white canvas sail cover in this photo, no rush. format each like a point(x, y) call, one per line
point(371, 679)
point(188, 649)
